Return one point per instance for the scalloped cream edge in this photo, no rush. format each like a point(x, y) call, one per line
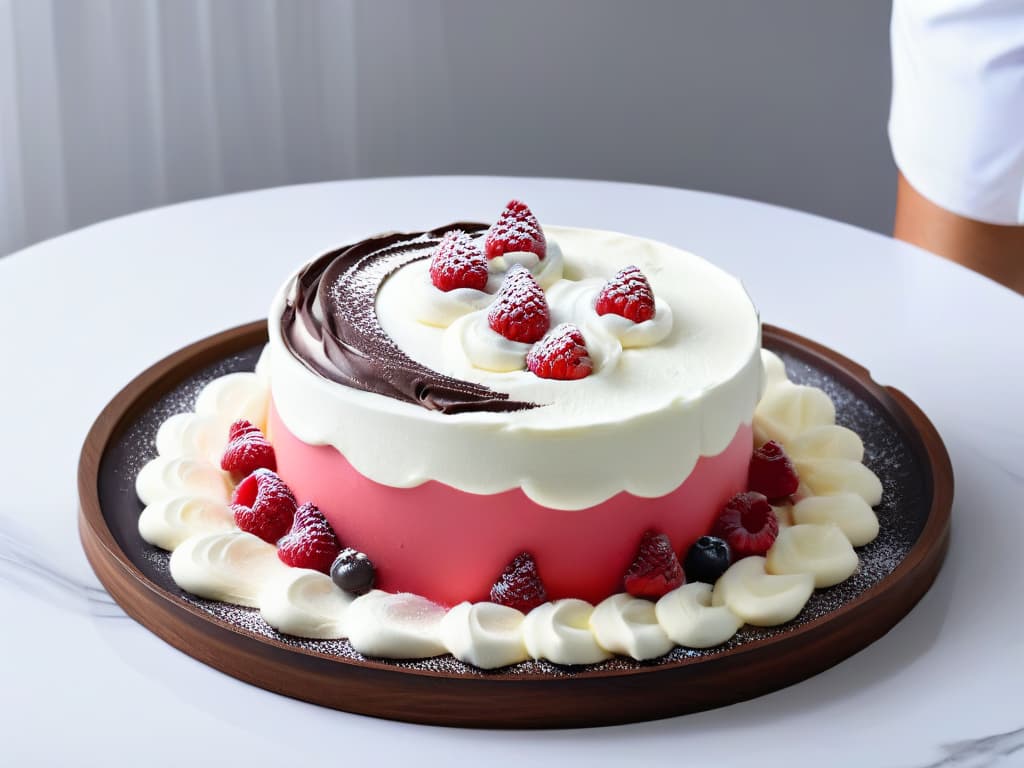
point(236, 567)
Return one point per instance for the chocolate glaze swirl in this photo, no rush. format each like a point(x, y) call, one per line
point(330, 324)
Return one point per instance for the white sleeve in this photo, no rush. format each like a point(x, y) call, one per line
point(957, 120)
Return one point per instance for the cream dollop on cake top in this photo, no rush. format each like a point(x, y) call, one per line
point(704, 335)
point(652, 407)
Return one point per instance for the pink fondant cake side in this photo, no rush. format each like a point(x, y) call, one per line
point(450, 545)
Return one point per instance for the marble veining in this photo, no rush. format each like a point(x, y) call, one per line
point(1000, 749)
point(30, 570)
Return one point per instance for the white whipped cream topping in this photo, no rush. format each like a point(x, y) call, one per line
point(304, 603)
point(560, 632)
point(213, 559)
point(430, 305)
point(784, 514)
point(689, 619)
point(546, 271)
point(854, 517)
point(628, 626)
point(671, 403)
point(262, 369)
point(829, 441)
point(788, 410)
point(232, 567)
point(475, 341)
point(164, 477)
point(824, 477)
point(395, 626)
point(760, 598)
point(170, 520)
point(774, 370)
point(629, 334)
point(189, 435)
point(486, 635)
point(820, 550)
point(236, 396)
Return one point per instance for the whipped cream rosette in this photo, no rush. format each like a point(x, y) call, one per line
point(380, 388)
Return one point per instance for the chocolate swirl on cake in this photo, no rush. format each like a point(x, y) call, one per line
point(330, 323)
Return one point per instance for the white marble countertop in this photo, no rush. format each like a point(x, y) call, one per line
point(82, 314)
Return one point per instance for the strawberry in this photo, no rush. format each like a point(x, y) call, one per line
point(519, 585)
point(458, 263)
point(263, 505)
point(562, 354)
point(771, 472)
point(311, 543)
point(627, 294)
point(748, 525)
point(519, 311)
point(516, 229)
point(247, 450)
point(656, 569)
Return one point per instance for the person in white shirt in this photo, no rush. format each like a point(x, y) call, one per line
point(956, 128)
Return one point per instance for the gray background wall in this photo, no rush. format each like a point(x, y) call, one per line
point(784, 101)
point(110, 106)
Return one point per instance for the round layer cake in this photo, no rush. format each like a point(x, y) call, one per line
point(429, 442)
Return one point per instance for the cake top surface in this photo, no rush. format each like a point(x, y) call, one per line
point(517, 381)
point(704, 331)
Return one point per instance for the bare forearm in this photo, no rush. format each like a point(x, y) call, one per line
point(993, 250)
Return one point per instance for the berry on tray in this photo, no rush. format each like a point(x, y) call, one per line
point(748, 525)
point(519, 585)
point(458, 262)
point(771, 472)
point(311, 543)
point(353, 572)
point(627, 294)
point(520, 311)
point(516, 229)
point(263, 505)
point(562, 354)
point(656, 570)
point(247, 450)
point(707, 559)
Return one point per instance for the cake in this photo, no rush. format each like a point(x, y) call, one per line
point(507, 442)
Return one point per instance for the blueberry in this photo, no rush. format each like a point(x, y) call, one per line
point(353, 572)
point(707, 559)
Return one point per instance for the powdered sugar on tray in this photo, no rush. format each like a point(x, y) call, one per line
point(902, 513)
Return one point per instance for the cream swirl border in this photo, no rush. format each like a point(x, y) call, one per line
point(187, 513)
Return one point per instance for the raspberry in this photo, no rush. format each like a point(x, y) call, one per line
point(263, 505)
point(519, 585)
point(247, 450)
point(627, 294)
point(771, 472)
point(748, 525)
point(458, 263)
point(519, 311)
point(311, 543)
point(656, 569)
point(516, 229)
point(562, 354)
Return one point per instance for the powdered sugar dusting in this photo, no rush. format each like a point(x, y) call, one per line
point(627, 294)
point(141, 436)
point(562, 354)
point(902, 514)
point(520, 309)
point(458, 262)
point(516, 229)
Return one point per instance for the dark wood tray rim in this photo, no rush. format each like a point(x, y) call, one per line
point(821, 642)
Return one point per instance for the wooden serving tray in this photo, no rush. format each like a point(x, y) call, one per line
point(902, 447)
